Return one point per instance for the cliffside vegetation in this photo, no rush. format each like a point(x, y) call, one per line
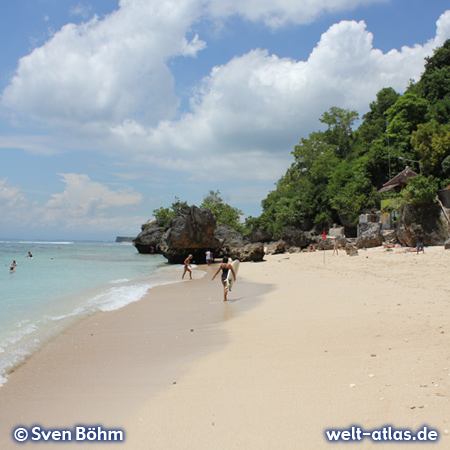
point(337, 172)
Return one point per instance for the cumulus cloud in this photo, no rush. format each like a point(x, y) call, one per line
point(83, 204)
point(106, 70)
point(109, 81)
point(109, 70)
point(83, 200)
point(252, 110)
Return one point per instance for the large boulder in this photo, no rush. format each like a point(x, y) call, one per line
point(190, 231)
point(428, 221)
point(258, 235)
point(351, 250)
point(248, 252)
point(274, 248)
point(295, 237)
point(235, 246)
point(148, 239)
point(324, 243)
point(369, 235)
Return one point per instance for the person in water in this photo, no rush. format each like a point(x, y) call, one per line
point(187, 262)
point(225, 267)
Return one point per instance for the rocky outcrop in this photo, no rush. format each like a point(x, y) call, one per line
point(235, 246)
point(274, 248)
point(324, 244)
point(248, 252)
point(295, 237)
point(351, 249)
point(258, 235)
point(369, 235)
point(193, 231)
point(429, 221)
point(148, 239)
point(190, 231)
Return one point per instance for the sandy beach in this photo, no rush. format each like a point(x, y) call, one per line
point(307, 342)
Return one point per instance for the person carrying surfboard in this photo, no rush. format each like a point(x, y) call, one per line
point(225, 267)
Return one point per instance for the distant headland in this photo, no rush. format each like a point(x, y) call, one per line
point(124, 239)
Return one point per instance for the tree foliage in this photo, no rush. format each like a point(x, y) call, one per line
point(225, 214)
point(165, 214)
point(336, 174)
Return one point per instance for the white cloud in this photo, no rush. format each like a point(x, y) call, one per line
point(83, 199)
point(13, 204)
point(81, 10)
point(248, 113)
point(106, 70)
point(109, 81)
point(277, 14)
point(82, 205)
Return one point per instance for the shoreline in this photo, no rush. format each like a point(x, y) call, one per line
point(316, 341)
point(106, 364)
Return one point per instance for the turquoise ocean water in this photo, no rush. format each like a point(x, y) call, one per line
point(64, 282)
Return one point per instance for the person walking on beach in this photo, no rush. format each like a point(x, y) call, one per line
point(187, 262)
point(208, 258)
point(336, 246)
point(419, 245)
point(224, 267)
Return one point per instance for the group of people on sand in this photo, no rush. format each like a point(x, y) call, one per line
point(225, 267)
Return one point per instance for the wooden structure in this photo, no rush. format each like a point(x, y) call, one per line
point(399, 182)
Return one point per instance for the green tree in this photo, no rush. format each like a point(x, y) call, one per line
point(225, 214)
point(434, 85)
point(372, 141)
point(404, 117)
point(431, 143)
point(339, 133)
point(165, 214)
point(420, 191)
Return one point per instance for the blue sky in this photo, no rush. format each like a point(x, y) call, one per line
point(109, 109)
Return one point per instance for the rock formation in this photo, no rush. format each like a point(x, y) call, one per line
point(274, 248)
point(148, 239)
point(429, 221)
point(190, 231)
point(258, 235)
point(351, 250)
point(295, 237)
point(235, 246)
point(369, 235)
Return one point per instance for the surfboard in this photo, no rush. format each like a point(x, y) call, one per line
point(230, 277)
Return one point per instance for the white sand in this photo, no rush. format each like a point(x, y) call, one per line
point(335, 341)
